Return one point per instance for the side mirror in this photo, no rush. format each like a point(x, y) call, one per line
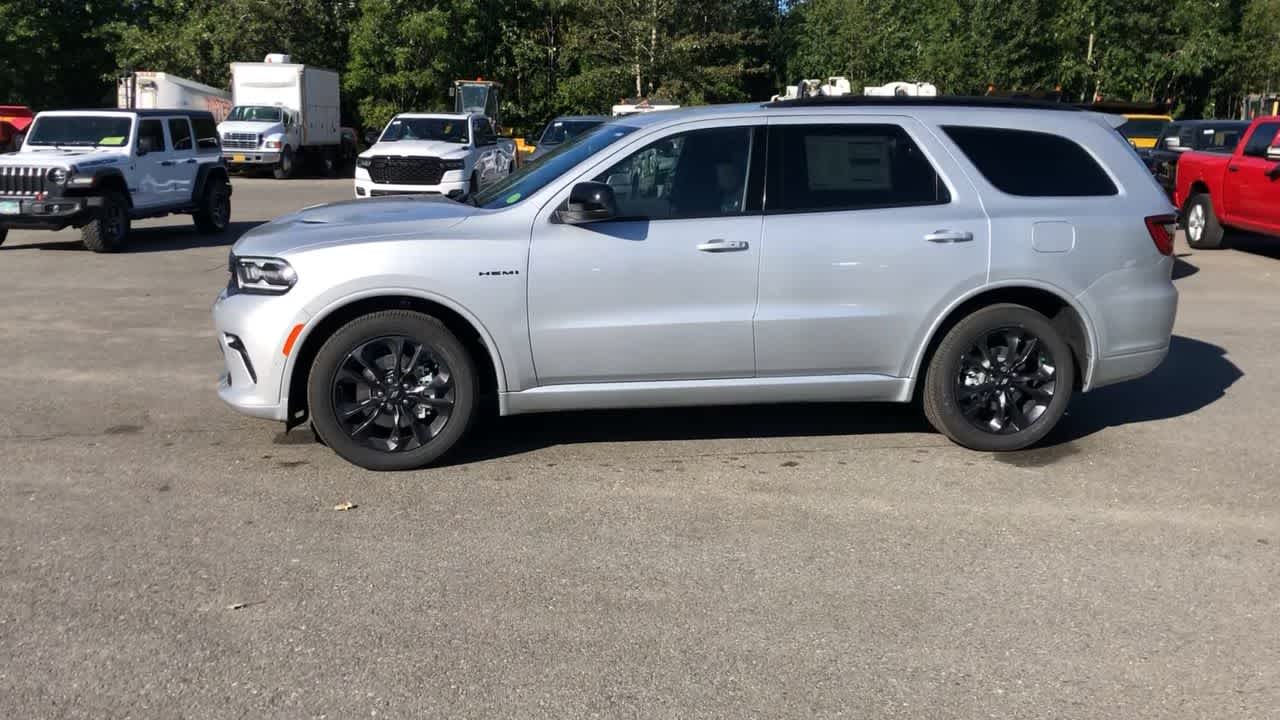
point(371, 137)
point(1273, 153)
point(1172, 143)
point(145, 145)
point(530, 140)
point(588, 202)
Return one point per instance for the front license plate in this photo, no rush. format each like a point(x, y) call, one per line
point(10, 207)
point(237, 158)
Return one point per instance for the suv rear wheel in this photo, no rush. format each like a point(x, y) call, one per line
point(393, 390)
point(1204, 232)
point(214, 213)
point(1000, 379)
point(110, 227)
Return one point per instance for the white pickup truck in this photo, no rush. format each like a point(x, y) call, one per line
point(449, 154)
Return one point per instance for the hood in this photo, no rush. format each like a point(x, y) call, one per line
point(79, 157)
point(418, 148)
point(353, 221)
point(262, 127)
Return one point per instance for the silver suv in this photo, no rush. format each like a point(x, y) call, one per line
point(988, 258)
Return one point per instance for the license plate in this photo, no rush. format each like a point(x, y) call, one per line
point(237, 158)
point(10, 207)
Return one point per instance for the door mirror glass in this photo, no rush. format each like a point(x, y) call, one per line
point(371, 137)
point(588, 202)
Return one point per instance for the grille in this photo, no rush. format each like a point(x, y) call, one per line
point(22, 180)
point(240, 141)
point(406, 171)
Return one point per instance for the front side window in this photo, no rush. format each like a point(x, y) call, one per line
point(1031, 164)
point(483, 132)
point(534, 176)
point(701, 173)
point(1262, 138)
point(817, 168)
point(445, 129)
point(180, 134)
point(82, 131)
point(151, 132)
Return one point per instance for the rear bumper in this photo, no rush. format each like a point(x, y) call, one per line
point(1133, 311)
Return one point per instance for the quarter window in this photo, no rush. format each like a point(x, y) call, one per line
point(180, 133)
point(700, 173)
point(1032, 164)
point(817, 168)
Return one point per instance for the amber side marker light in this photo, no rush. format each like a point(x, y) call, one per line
point(293, 338)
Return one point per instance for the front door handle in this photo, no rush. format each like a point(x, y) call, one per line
point(720, 245)
point(192, 161)
point(949, 236)
point(166, 163)
point(1233, 168)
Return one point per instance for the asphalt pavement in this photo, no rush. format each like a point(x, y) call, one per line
point(164, 557)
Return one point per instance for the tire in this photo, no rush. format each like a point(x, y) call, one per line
point(1204, 232)
point(4, 233)
point(962, 399)
point(109, 229)
point(363, 433)
point(330, 164)
point(473, 185)
point(214, 213)
point(285, 168)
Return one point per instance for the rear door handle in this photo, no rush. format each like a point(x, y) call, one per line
point(949, 236)
point(719, 245)
point(166, 163)
point(1233, 168)
point(192, 161)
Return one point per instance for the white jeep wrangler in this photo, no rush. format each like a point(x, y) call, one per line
point(450, 154)
point(98, 170)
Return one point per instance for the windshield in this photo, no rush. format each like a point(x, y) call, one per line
point(532, 178)
point(87, 131)
point(447, 129)
point(1143, 127)
point(473, 98)
point(560, 130)
point(255, 113)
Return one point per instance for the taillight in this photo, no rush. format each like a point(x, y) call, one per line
point(1162, 228)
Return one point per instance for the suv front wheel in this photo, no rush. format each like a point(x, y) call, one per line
point(1000, 379)
point(214, 212)
point(109, 228)
point(393, 390)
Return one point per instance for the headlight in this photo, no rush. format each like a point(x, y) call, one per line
point(271, 144)
point(263, 276)
point(364, 162)
point(453, 164)
point(58, 176)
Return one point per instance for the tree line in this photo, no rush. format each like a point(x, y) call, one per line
point(582, 56)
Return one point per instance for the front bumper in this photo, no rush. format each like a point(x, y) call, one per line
point(48, 214)
point(252, 331)
point(449, 186)
point(251, 157)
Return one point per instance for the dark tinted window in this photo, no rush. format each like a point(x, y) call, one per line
point(701, 173)
point(206, 133)
point(1261, 139)
point(1221, 139)
point(154, 130)
point(1032, 164)
point(1142, 127)
point(815, 168)
point(180, 133)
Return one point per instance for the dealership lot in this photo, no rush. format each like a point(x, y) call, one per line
point(165, 556)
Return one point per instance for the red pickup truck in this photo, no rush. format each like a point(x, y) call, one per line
point(14, 120)
point(1218, 193)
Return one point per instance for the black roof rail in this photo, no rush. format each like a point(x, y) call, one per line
point(910, 101)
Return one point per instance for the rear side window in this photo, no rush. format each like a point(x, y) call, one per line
point(1031, 164)
point(828, 168)
point(206, 134)
point(180, 133)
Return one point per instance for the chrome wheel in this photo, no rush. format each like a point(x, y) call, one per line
point(1006, 381)
point(1195, 222)
point(393, 394)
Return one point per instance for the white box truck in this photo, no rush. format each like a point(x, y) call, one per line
point(147, 90)
point(285, 114)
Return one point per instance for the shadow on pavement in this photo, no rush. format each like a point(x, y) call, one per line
point(1182, 268)
point(166, 238)
point(501, 437)
point(1253, 244)
point(1194, 375)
